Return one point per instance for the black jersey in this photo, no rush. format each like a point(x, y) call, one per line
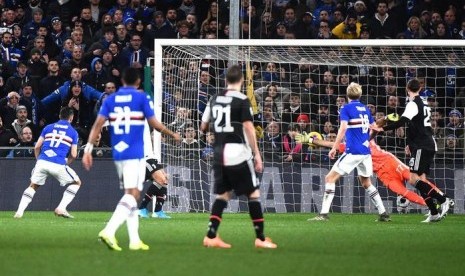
point(226, 112)
point(419, 132)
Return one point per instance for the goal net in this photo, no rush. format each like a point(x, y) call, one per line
point(299, 86)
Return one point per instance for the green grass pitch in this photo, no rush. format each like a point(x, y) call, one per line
point(41, 244)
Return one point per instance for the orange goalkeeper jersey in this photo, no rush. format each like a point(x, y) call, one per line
point(384, 162)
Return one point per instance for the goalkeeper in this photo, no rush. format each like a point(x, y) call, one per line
point(390, 170)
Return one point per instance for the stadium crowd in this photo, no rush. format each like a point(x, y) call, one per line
point(69, 53)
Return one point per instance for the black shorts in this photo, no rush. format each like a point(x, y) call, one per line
point(240, 178)
point(151, 166)
point(421, 160)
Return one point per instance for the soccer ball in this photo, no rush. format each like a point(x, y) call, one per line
point(402, 204)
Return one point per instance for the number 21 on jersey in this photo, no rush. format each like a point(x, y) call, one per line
point(122, 124)
point(222, 116)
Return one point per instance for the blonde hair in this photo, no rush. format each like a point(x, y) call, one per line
point(354, 91)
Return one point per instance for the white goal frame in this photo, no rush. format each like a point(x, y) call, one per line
point(160, 43)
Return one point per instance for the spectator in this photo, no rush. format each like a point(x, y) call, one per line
point(7, 138)
point(426, 22)
point(349, 29)
point(21, 76)
point(82, 108)
point(414, 29)
point(304, 123)
point(268, 116)
point(66, 54)
point(281, 30)
point(182, 119)
point(293, 152)
point(76, 61)
point(438, 132)
point(89, 26)
point(328, 97)
point(32, 103)
point(207, 151)
point(9, 52)
point(440, 32)
point(129, 23)
point(293, 109)
point(22, 121)
point(187, 7)
point(18, 40)
point(97, 48)
point(454, 145)
point(455, 124)
point(110, 88)
point(340, 102)
point(393, 105)
point(77, 37)
point(206, 90)
point(97, 77)
point(462, 30)
point(107, 22)
point(134, 55)
point(97, 10)
point(30, 29)
point(118, 17)
point(37, 67)
point(8, 106)
point(89, 93)
point(266, 28)
point(324, 31)
point(191, 19)
point(272, 143)
point(451, 25)
point(26, 139)
point(304, 27)
point(269, 102)
point(110, 67)
point(183, 29)
point(190, 145)
point(159, 28)
point(52, 81)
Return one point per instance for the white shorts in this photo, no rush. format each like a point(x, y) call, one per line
point(131, 173)
point(64, 174)
point(348, 162)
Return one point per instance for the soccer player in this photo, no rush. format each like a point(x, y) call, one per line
point(355, 123)
point(51, 151)
point(421, 146)
point(155, 173)
point(236, 155)
point(127, 111)
point(390, 170)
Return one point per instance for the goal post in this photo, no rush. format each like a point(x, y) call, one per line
point(302, 82)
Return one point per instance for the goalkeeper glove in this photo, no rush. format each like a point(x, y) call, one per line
point(304, 138)
point(393, 117)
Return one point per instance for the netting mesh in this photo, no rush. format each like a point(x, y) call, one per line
point(415, 56)
point(301, 88)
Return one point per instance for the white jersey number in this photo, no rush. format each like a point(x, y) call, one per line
point(427, 113)
point(365, 123)
point(57, 137)
point(120, 126)
point(219, 112)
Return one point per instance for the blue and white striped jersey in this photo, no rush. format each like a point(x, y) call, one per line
point(127, 111)
point(359, 119)
point(58, 139)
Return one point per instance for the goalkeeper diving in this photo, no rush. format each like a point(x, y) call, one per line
point(390, 170)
